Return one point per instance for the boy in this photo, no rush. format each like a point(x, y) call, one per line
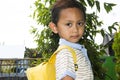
point(68, 21)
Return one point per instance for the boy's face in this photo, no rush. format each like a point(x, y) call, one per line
point(71, 24)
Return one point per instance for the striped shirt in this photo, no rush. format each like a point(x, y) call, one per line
point(65, 66)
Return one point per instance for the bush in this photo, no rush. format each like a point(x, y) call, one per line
point(116, 48)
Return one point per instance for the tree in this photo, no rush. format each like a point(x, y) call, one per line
point(116, 48)
point(46, 40)
point(31, 53)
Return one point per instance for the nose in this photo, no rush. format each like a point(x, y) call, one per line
point(75, 28)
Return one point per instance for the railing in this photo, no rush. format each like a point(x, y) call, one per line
point(14, 69)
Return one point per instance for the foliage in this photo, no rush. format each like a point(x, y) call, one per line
point(7, 66)
point(108, 6)
point(109, 65)
point(47, 42)
point(116, 48)
point(35, 55)
point(31, 53)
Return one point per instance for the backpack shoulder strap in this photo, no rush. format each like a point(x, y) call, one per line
point(53, 57)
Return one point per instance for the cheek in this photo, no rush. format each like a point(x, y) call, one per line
point(81, 31)
point(62, 30)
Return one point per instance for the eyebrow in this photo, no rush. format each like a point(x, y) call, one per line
point(77, 21)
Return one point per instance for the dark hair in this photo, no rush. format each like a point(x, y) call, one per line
point(63, 4)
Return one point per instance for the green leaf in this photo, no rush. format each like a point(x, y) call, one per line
point(112, 4)
point(98, 5)
point(115, 28)
point(91, 3)
point(83, 2)
point(110, 29)
point(108, 6)
point(102, 32)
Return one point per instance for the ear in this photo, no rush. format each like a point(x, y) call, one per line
point(53, 27)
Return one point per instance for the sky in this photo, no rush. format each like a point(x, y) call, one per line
point(15, 23)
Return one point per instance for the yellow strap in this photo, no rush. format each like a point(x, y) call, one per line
point(53, 57)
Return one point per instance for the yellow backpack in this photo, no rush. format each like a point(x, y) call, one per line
point(46, 70)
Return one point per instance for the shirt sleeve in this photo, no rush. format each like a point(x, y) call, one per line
point(64, 65)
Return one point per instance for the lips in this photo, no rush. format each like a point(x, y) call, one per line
point(75, 36)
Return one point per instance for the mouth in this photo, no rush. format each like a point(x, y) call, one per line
point(75, 37)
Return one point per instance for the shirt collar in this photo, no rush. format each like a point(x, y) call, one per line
point(73, 45)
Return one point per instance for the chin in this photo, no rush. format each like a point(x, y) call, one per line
point(75, 41)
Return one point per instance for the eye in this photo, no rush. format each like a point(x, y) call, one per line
point(81, 24)
point(69, 24)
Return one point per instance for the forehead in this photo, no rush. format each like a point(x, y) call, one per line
point(71, 13)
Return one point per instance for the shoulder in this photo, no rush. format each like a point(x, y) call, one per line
point(66, 52)
point(63, 52)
